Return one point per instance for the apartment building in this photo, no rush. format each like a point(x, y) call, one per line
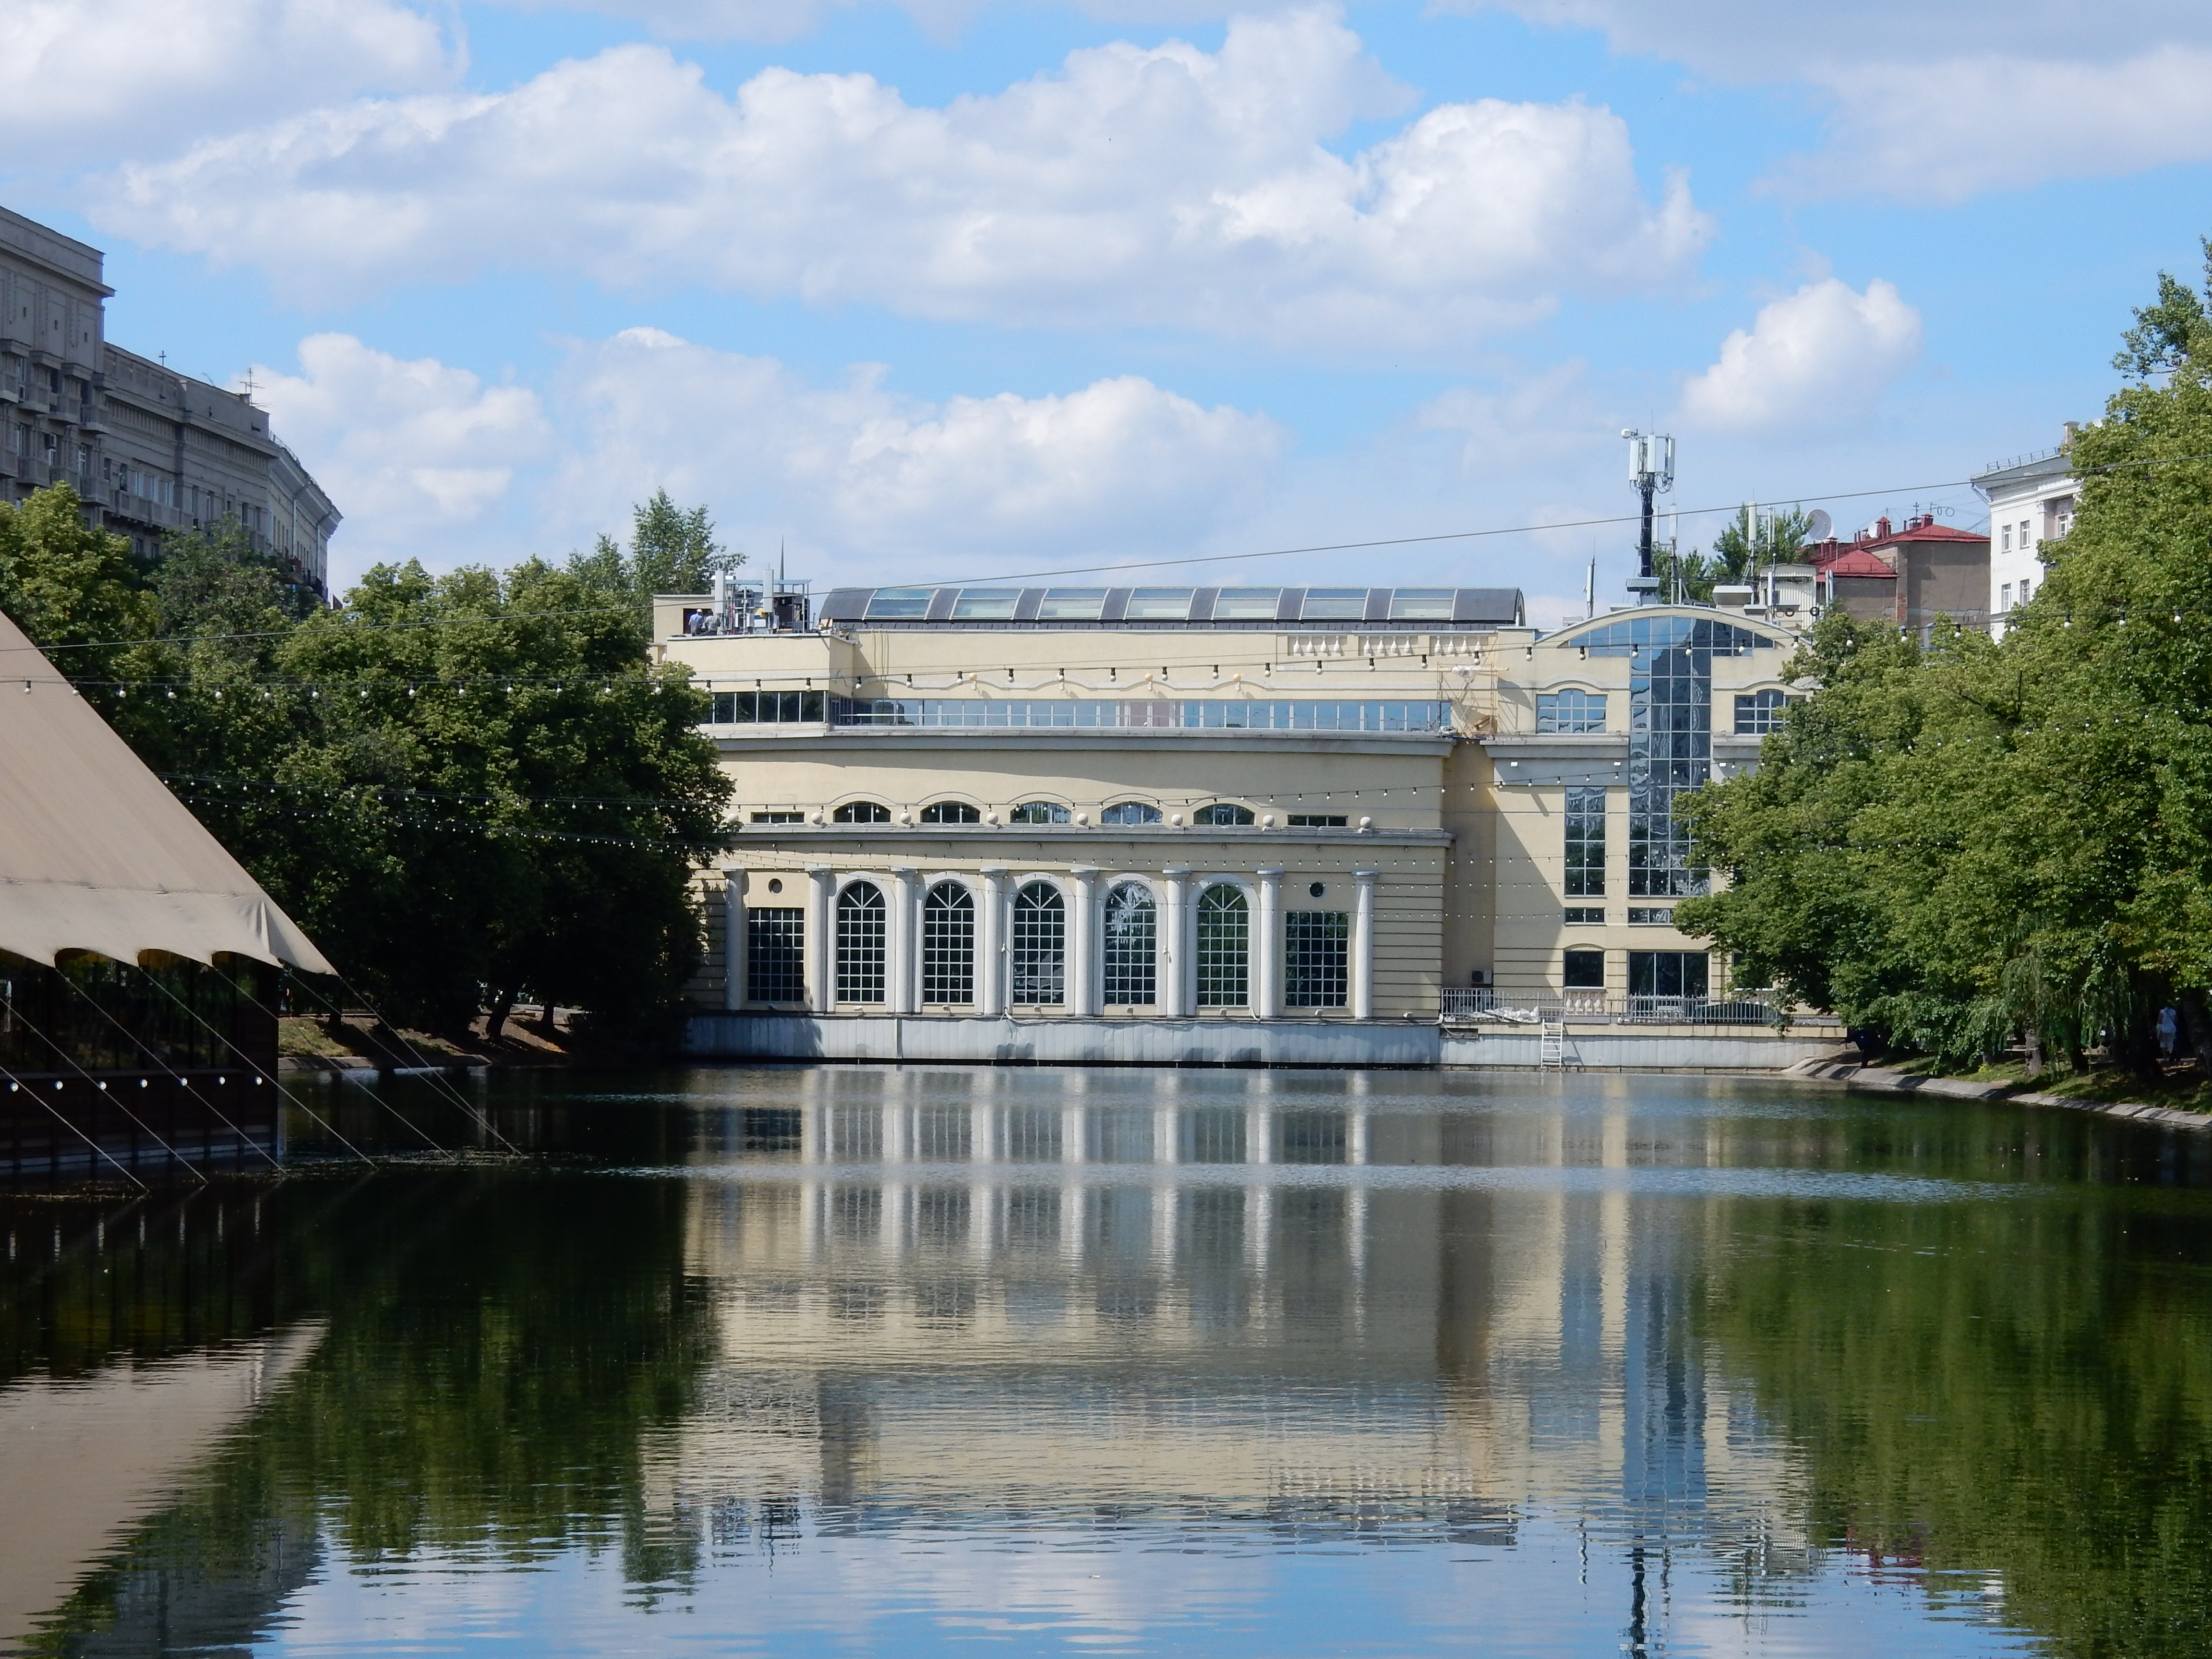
point(1911, 576)
point(2032, 498)
point(151, 450)
point(1206, 824)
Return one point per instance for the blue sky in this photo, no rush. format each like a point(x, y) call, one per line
point(936, 290)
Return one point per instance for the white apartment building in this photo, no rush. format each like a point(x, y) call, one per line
point(2032, 501)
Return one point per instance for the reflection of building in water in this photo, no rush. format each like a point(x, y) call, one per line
point(1276, 1295)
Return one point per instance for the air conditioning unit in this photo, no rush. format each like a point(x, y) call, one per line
point(1479, 977)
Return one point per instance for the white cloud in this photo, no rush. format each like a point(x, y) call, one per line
point(858, 472)
point(1937, 102)
point(426, 461)
point(1163, 186)
point(84, 82)
point(1821, 358)
point(411, 452)
point(1942, 133)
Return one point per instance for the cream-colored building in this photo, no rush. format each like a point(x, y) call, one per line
point(1206, 824)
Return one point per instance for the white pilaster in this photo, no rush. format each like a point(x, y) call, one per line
point(905, 944)
point(990, 946)
point(1083, 944)
point(1178, 986)
point(1266, 965)
point(733, 939)
point(1363, 945)
point(821, 906)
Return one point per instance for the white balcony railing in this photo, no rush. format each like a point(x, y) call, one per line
point(1477, 1006)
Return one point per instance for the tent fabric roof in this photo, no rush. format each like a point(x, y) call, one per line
point(96, 854)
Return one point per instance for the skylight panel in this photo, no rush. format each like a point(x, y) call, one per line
point(1334, 604)
point(979, 603)
point(1159, 603)
point(1247, 603)
point(1072, 605)
point(1421, 603)
point(891, 604)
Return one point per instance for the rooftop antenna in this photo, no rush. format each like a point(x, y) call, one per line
point(1650, 472)
point(1589, 590)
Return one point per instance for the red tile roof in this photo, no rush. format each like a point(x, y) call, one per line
point(1861, 556)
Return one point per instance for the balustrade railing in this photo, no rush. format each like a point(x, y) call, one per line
point(1471, 1005)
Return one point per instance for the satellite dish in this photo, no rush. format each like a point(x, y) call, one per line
point(1821, 527)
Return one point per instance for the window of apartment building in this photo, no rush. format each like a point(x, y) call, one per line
point(1222, 811)
point(1667, 973)
point(1585, 830)
point(862, 811)
point(1224, 946)
point(950, 812)
point(1759, 713)
point(1038, 812)
point(861, 942)
point(1316, 820)
point(1583, 969)
point(776, 954)
point(1037, 950)
point(948, 944)
point(1584, 914)
point(1131, 929)
point(1573, 712)
point(1130, 811)
point(2004, 597)
point(2004, 539)
point(1316, 958)
point(2026, 592)
point(2026, 541)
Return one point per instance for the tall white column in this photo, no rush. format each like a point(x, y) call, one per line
point(1363, 945)
point(990, 947)
point(733, 939)
point(905, 944)
point(821, 904)
point(1267, 969)
point(1176, 995)
point(1083, 944)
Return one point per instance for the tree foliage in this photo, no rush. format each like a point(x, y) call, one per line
point(1954, 845)
point(671, 550)
point(1751, 541)
point(465, 787)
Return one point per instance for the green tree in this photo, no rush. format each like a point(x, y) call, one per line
point(671, 550)
point(1752, 543)
point(1954, 846)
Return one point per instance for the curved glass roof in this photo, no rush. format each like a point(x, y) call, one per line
point(1198, 607)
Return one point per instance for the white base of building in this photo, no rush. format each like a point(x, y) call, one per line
point(883, 1038)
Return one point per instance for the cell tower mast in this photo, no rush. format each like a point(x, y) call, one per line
point(1650, 473)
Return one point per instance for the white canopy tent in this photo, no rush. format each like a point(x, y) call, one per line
point(96, 854)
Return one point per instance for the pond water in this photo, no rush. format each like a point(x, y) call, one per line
point(922, 1361)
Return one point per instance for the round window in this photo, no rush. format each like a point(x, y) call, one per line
point(1317, 889)
point(775, 885)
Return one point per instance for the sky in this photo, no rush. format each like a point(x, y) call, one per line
point(942, 289)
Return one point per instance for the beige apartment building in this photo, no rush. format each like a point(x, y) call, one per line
point(152, 450)
point(1209, 825)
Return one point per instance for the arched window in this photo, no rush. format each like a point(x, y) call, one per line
point(1130, 811)
point(1222, 811)
point(1038, 812)
point(950, 812)
point(948, 944)
point(860, 915)
point(1132, 928)
point(862, 811)
point(1224, 947)
point(1038, 951)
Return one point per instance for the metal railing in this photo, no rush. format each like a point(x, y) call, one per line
point(1470, 1006)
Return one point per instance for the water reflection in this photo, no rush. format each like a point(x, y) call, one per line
point(802, 1361)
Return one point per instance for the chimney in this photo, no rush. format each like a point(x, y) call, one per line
point(1881, 528)
point(2066, 434)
